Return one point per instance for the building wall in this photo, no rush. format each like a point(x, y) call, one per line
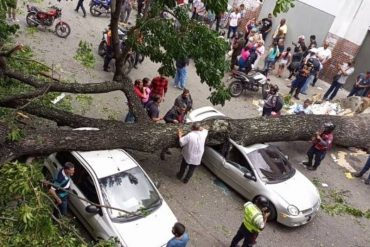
point(302, 19)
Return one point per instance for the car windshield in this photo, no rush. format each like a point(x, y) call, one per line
point(130, 191)
point(271, 164)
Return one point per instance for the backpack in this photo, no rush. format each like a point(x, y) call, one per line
point(279, 104)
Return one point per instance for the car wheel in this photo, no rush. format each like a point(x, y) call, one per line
point(271, 209)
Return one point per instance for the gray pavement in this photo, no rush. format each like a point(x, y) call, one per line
point(211, 210)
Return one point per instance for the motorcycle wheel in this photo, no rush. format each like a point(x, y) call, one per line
point(62, 30)
point(236, 88)
point(102, 49)
point(31, 18)
point(94, 10)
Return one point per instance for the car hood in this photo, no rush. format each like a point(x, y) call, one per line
point(297, 191)
point(153, 230)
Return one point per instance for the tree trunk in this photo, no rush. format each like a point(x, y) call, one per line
point(150, 137)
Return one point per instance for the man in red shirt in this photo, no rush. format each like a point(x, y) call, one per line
point(320, 144)
point(159, 86)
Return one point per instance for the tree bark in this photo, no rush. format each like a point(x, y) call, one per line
point(150, 137)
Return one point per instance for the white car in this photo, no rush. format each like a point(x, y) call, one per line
point(114, 178)
point(262, 170)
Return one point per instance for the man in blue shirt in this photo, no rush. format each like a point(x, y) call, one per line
point(181, 237)
point(60, 186)
point(361, 86)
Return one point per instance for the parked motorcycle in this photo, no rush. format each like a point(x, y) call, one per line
point(98, 7)
point(37, 17)
point(102, 48)
point(251, 81)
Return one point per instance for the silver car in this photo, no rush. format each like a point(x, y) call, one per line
point(113, 178)
point(263, 170)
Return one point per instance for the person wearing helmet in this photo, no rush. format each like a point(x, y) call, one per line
point(273, 102)
point(321, 143)
point(254, 221)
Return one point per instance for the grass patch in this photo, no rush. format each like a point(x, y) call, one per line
point(334, 202)
point(85, 54)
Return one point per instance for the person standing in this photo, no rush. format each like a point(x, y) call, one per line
point(281, 30)
point(152, 108)
point(181, 236)
point(237, 46)
point(344, 70)
point(192, 146)
point(159, 86)
point(12, 9)
point(254, 221)
point(321, 143)
point(266, 26)
point(315, 65)
point(59, 188)
point(271, 101)
point(363, 171)
point(295, 63)
point(233, 22)
point(181, 73)
point(300, 80)
point(260, 50)
point(80, 4)
point(361, 85)
point(272, 54)
point(284, 60)
point(109, 53)
point(125, 11)
point(185, 99)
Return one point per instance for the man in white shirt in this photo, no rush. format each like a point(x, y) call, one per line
point(192, 150)
point(233, 22)
point(344, 70)
point(324, 53)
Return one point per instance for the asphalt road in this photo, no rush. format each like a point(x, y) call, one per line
point(211, 211)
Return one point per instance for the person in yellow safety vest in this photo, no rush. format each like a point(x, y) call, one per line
point(254, 221)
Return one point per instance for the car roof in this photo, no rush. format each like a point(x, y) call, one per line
point(108, 162)
point(254, 147)
point(203, 113)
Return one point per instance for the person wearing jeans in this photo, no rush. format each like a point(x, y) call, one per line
point(363, 171)
point(345, 70)
point(361, 85)
point(233, 22)
point(181, 73)
point(125, 11)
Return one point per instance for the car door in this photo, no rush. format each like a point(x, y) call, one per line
point(83, 186)
point(214, 159)
point(236, 167)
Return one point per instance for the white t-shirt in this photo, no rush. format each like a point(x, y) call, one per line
point(323, 54)
point(234, 18)
point(193, 146)
point(349, 71)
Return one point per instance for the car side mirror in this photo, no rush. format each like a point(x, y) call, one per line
point(92, 209)
point(250, 176)
point(157, 184)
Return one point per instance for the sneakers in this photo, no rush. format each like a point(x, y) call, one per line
point(296, 97)
point(357, 174)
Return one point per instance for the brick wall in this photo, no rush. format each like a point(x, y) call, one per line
point(251, 13)
point(342, 50)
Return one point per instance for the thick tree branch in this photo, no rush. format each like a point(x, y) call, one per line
point(89, 88)
point(40, 91)
point(350, 132)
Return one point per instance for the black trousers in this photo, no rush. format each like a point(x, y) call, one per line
point(140, 6)
point(81, 4)
point(318, 155)
point(183, 167)
point(108, 56)
point(249, 238)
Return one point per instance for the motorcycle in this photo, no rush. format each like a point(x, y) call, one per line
point(37, 17)
point(102, 48)
point(129, 62)
point(251, 81)
point(98, 7)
